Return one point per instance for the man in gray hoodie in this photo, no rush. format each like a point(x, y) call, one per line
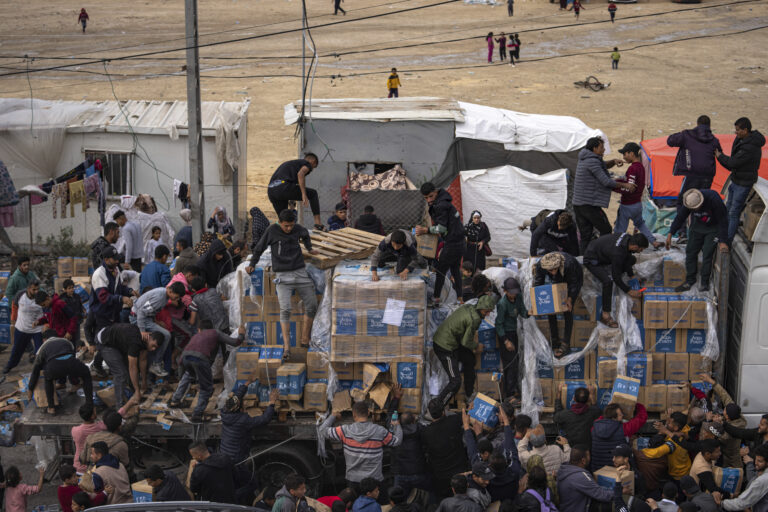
point(577, 488)
point(592, 189)
point(363, 443)
point(290, 497)
point(756, 494)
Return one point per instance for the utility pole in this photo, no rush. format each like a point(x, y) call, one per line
point(194, 129)
point(303, 52)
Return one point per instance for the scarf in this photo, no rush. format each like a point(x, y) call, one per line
point(224, 225)
point(474, 230)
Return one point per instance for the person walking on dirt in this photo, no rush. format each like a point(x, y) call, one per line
point(393, 84)
point(563, 5)
point(577, 7)
point(511, 46)
point(502, 40)
point(337, 8)
point(510, 7)
point(83, 18)
point(489, 39)
point(517, 46)
point(615, 57)
point(612, 11)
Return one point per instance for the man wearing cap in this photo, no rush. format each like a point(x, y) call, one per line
point(631, 207)
point(454, 342)
point(339, 219)
point(561, 267)
point(509, 307)
point(693, 492)
point(708, 228)
point(477, 483)
point(614, 250)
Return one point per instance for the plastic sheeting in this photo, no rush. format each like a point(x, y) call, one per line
point(146, 221)
point(508, 195)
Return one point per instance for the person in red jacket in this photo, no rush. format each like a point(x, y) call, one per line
point(610, 430)
point(83, 18)
point(612, 11)
point(58, 315)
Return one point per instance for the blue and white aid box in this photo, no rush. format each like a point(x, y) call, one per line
point(549, 298)
point(142, 492)
point(486, 336)
point(410, 323)
point(374, 323)
point(544, 369)
point(578, 369)
point(409, 374)
point(253, 388)
point(661, 340)
point(729, 479)
point(640, 366)
point(256, 333)
point(695, 339)
point(255, 285)
point(291, 378)
point(82, 293)
point(490, 360)
point(485, 410)
point(292, 332)
point(264, 393)
point(570, 389)
point(345, 321)
point(5, 311)
point(603, 397)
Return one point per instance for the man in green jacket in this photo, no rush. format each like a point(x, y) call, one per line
point(508, 309)
point(455, 342)
point(19, 279)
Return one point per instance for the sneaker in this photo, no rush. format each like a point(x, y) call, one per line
point(684, 287)
point(157, 370)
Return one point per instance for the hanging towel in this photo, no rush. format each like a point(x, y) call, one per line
point(76, 195)
point(90, 171)
point(92, 189)
point(59, 193)
point(21, 213)
point(8, 195)
point(6, 216)
point(37, 199)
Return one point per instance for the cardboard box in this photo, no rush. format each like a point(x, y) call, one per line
point(699, 318)
point(488, 360)
point(488, 384)
point(485, 410)
point(65, 266)
point(753, 211)
point(315, 397)
point(486, 336)
point(247, 362)
point(694, 340)
point(677, 367)
point(372, 374)
point(729, 479)
point(344, 297)
point(412, 324)
point(566, 390)
point(659, 367)
point(678, 312)
point(579, 308)
point(408, 372)
point(698, 364)
point(581, 369)
point(291, 378)
point(317, 365)
point(256, 333)
point(342, 401)
point(582, 331)
point(344, 371)
point(544, 369)
point(251, 311)
point(270, 360)
point(549, 298)
point(107, 395)
point(677, 397)
point(640, 366)
point(426, 245)
point(388, 348)
point(366, 348)
point(661, 340)
point(603, 397)
point(142, 492)
point(253, 284)
point(548, 392)
point(609, 341)
point(654, 312)
point(625, 393)
point(655, 398)
point(80, 266)
point(275, 334)
point(373, 324)
point(342, 348)
point(4, 276)
point(606, 372)
point(346, 321)
point(543, 325)
point(673, 272)
point(607, 477)
point(6, 334)
point(410, 401)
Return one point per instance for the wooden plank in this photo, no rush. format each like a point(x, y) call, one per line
point(147, 403)
point(360, 234)
point(345, 240)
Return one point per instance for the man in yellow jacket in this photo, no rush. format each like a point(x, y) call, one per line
point(393, 83)
point(675, 430)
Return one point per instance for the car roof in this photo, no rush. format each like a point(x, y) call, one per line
point(175, 506)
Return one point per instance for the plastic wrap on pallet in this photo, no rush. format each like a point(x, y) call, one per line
point(435, 377)
point(711, 346)
point(498, 275)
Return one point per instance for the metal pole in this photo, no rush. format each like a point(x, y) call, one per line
point(723, 285)
point(303, 52)
point(194, 134)
point(31, 245)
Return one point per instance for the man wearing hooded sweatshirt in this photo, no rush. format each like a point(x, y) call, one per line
point(369, 222)
point(592, 189)
point(399, 247)
point(743, 163)
point(290, 497)
point(165, 485)
point(110, 471)
point(363, 443)
point(58, 315)
point(215, 263)
point(696, 157)
point(577, 421)
point(577, 488)
point(454, 342)
point(446, 222)
point(556, 232)
point(610, 431)
point(508, 309)
point(211, 478)
point(285, 239)
point(369, 493)
point(561, 267)
point(443, 447)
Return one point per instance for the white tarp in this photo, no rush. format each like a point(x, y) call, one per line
point(508, 195)
point(525, 132)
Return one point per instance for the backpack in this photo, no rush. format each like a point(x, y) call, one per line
point(545, 503)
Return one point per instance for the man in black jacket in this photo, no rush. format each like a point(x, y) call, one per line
point(111, 234)
point(399, 247)
point(561, 267)
point(284, 240)
point(211, 478)
point(460, 501)
point(165, 485)
point(758, 435)
point(614, 250)
point(557, 232)
point(577, 421)
point(408, 462)
point(442, 442)
point(743, 163)
point(708, 229)
point(446, 222)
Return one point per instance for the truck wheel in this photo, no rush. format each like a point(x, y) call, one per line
point(273, 466)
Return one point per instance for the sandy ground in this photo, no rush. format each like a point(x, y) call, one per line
point(661, 86)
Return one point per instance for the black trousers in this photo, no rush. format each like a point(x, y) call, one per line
point(450, 360)
point(510, 362)
point(281, 194)
point(589, 218)
point(450, 259)
point(567, 331)
point(502, 52)
point(604, 275)
point(72, 369)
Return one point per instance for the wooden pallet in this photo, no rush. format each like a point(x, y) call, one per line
point(343, 244)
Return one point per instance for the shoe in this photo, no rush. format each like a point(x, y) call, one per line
point(319, 227)
point(157, 370)
point(3, 348)
point(684, 287)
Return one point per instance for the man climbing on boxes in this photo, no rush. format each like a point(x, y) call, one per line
point(708, 229)
point(399, 247)
point(284, 238)
point(561, 268)
point(509, 307)
point(614, 250)
point(454, 342)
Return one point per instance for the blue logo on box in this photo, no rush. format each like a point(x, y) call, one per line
point(730, 480)
point(271, 353)
point(292, 334)
point(486, 336)
point(606, 482)
point(626, 387)
point(544, 369)
point(256, 333)
point(407, 374)
point(256, 283)
point(490, 360)
point(577, 369)
point(570, 390)
point(637, 366)
point(484, 412)
point(666, 340)
point(264, 393)
point(604, 397)
point(695, 341)
point(5, 311)
point(545, 301)
point(346, 321)
point(373, 323)
point(253, 388)
point(291, 384)
point(410, 323)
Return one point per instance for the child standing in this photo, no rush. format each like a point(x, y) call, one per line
point(511, 47)
point(152, 243)
point(16, 492)
point(489, 39)
point(393, 84)
point(612, 11)
point(577, 7)
point(615, 56)
point(631, 206)
point(75, 306)
point(502, 40)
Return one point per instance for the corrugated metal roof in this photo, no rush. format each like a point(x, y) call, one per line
point(378, 109)
point(153, 116)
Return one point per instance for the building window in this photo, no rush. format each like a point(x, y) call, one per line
point(117, 171)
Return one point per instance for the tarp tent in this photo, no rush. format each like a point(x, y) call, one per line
point(663, 185)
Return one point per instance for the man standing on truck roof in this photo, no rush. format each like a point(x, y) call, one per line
point(708, 229)
point(363, 443)
point(288, 183)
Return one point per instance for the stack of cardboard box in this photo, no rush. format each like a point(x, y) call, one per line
point(77, 269)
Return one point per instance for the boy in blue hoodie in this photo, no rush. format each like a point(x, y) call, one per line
point(369, 493)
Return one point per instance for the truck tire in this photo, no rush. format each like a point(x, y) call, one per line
point(274, 465)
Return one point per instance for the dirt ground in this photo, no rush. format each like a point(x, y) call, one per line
point(661, 86)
